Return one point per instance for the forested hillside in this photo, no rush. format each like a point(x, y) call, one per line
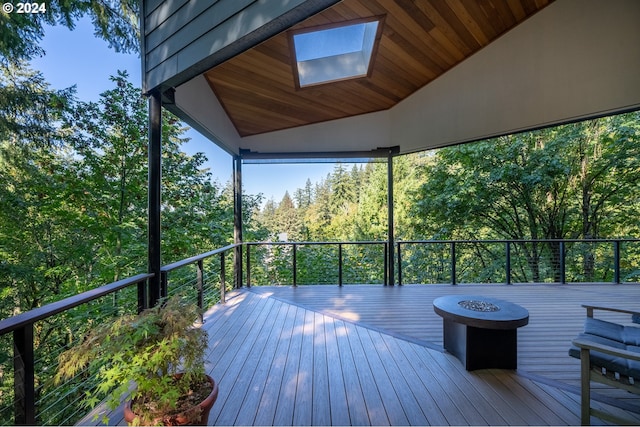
point(574, 181)
point(74, 193)
point(74, 197)
point(577, 181)
point(73, 210)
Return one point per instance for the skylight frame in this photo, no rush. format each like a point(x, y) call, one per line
point(379, 20)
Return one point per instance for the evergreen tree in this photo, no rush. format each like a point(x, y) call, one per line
point(38, 253)
point(304, 196)
point(115, 21)
point(342, 190)
point(288, 222)
point(318, 215)
point(29, 109)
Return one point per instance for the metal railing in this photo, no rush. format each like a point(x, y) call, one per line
point(518, 261)
point(34, 401)
point(316, 262)
point(444, 261)
point(206, 270)
point(27, 387)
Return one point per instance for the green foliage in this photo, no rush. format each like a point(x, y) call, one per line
point(74, 209)
point(29, 109)
point(115, 21)
point(577, 181)
point(566, 182)
point(147, 349)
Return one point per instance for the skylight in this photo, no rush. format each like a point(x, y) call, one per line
point(333, 54)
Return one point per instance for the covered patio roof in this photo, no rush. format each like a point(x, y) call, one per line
point(442, 72)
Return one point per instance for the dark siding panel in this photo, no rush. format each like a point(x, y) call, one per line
point(189, 24)
point(166, 10)
point(152, 5)
point(181, 34)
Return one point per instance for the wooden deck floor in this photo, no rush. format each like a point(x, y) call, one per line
point(371, 355)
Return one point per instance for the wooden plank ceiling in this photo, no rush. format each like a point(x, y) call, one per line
point(421, 39)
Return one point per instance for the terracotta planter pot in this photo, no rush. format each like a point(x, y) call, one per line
point(182, 418)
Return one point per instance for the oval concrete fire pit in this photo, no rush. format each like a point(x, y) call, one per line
point(481, 331)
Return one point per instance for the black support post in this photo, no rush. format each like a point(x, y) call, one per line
point(390, 253)
point(399, 265)
point(237, 219)
point(508, 262)
point(142, 295)
point(616, 262)
point(295, 265)
point(248, 266)
point(155, 175)
point(339, 264)
point(453, 263)
point(386, 262)
point(223, 279)
point(164, 284)
point(24, 376)
point(200, 286)
point(563, 271)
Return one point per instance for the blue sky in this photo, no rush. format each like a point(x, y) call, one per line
point(78, 58)
point(335, 41)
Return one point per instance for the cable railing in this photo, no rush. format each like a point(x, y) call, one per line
point(37, 337)
point(518, 261)
point(28, 395)
point(444, 261)
point(206, 273)
point(314, 263)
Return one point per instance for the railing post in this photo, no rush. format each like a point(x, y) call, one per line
point(508, 262)
point(563, 272)
point(24, 376)
point(339, 264)
point(237, 220)
point(453, 263)
point(248, 266)
point(386, 263)
point(616, 261)
point(223, 276)
point(200, 286)
point(295, 265)
point(142, 295)
point(399, 265)
point(237, 268)
point(164, 284)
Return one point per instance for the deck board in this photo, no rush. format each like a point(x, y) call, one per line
point(372, 355)
point(355, 398)
point(556, 317)
point(336, 383)
point(556, 314)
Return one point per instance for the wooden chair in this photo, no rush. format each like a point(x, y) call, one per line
point(610, 354)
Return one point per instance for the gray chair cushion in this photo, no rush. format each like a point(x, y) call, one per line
point(631, 335)
point(613, 335)
point(604, 329)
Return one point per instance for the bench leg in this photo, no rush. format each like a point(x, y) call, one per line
point(585, 387)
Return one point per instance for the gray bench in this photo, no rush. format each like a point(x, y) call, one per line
point(609, 354)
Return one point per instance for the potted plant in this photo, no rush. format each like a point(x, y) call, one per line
point(154, 360)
